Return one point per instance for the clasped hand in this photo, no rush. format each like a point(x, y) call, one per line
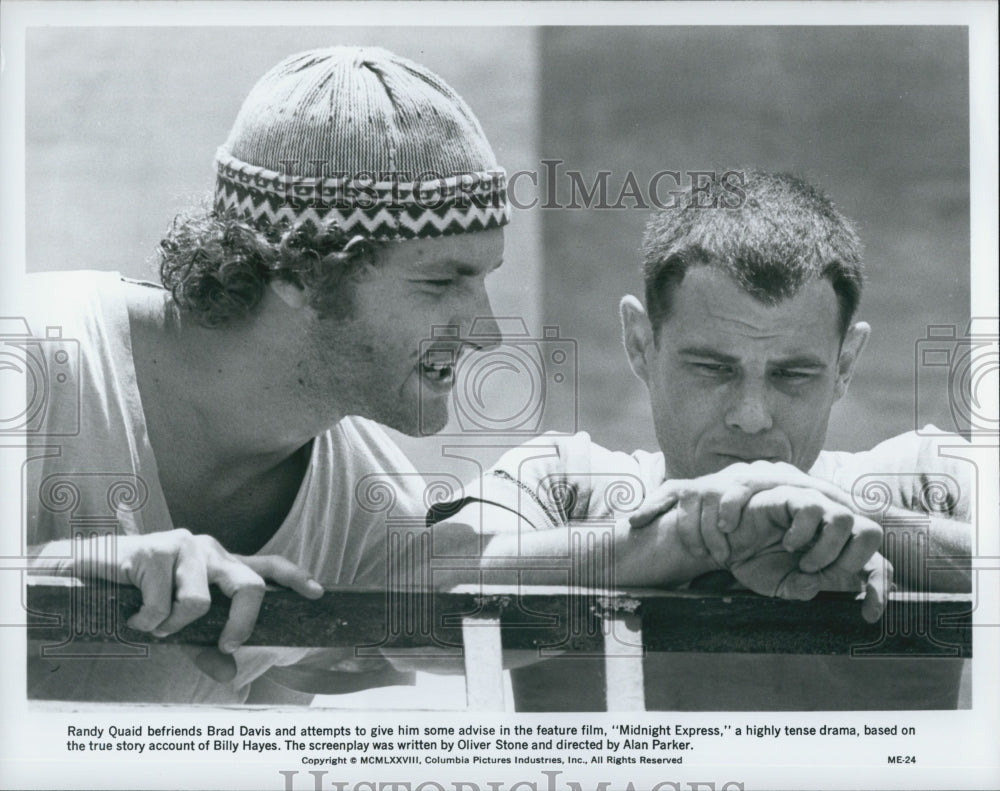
point(778, 530)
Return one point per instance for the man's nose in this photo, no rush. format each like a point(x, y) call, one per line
point(750, 411)
point(481, 329)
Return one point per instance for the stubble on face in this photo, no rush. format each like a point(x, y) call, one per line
point(382, 361)
point(734, 379)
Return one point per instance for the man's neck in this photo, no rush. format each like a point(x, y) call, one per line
point(225, 390)
point(231, 439)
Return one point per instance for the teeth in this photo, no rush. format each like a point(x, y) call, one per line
point(438, 365)
point(441, 371)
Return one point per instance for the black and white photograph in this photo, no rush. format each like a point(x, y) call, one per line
point(499, 396)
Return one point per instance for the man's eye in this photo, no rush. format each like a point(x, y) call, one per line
point(712, 369)
point(792, 375)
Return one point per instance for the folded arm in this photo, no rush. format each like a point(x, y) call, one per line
point(929, 544)
point(775, 530)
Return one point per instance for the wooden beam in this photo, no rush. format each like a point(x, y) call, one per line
point(548, 620)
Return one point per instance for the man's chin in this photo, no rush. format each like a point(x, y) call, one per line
point(427, 423)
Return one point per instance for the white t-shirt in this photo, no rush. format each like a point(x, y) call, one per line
point(554, 481)
point(91, 469)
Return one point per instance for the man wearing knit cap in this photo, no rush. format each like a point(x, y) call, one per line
point(225, 421)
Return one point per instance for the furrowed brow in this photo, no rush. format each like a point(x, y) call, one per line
point(706, 352)
point(806, 361)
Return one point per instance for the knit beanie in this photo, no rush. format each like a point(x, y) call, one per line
point(365, 139)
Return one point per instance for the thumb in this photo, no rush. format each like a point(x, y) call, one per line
point(878, 586)
point(284, 572)
point(799, 586)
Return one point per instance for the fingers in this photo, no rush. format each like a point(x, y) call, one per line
point(697, 518)
point(834, 533)
point(242, 579)
point(731, 506)
point(827, 532)
point(875, 577)
point(840, 539)
point(154, 576)
point(743, 481)
point(284, 572)
point(698, 526)
point(878, 585)
point(864, 540)
point(747, 480)
point(169, 570)
point(808, 513)
point(712, 537)
point(657, 504)
point(770, 572)
point(173, 571)
point(800, 586)
point(246, 589)
point(191, 597)
point(174, 577)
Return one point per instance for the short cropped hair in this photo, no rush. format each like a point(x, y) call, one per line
point(216, 266)
point(771, 233)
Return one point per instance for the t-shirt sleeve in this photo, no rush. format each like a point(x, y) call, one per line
point(89, 463)
point(549, 482)
point(918, 471)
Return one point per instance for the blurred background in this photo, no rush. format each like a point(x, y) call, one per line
point(122, 125)
point(877, 116)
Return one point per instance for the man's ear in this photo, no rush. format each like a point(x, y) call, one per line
point(292, 294)
point(850, 350)
point(637, 335)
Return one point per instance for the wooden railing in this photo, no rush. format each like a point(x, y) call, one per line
point(479, 624)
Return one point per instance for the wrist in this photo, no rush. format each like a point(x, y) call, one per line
point(654, 555)
point(690, 563)
point(53, 557)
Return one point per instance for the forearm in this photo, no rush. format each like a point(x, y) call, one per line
point(595, 555)
point(54, 557)
point(488, 544)
point(591, 555)
point(928, 553)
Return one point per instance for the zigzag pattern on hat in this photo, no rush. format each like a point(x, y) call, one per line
point(382, 210)
point(377, 223)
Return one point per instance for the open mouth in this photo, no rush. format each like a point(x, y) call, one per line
point(437, 368)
